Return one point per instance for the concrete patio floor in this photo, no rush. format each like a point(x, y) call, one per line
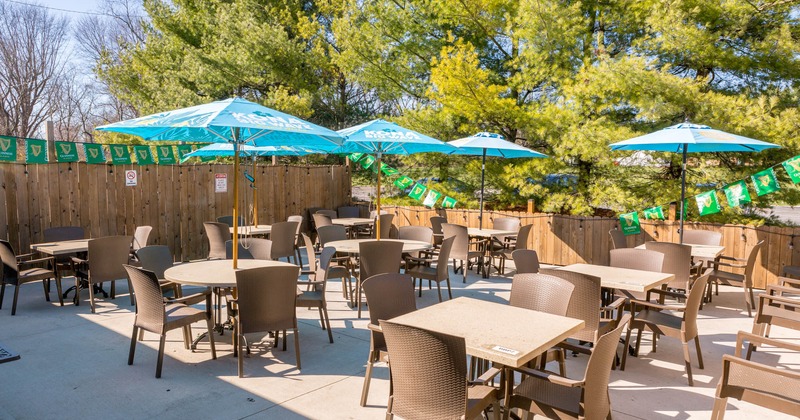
point(73, 365)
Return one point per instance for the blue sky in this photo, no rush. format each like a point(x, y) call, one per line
point(77, 5)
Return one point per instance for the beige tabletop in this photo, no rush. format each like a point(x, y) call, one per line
point(498, 332)
point(214, 273)
point(701, 251)
point(489, 233)
point(253, 230)
point(622, 278)
point(352, 221)
point(350, 246)
point(62, 247)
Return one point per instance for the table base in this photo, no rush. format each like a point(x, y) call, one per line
point(7, 355)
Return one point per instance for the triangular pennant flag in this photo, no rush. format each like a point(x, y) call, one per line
point(403, 182)
point(629, 222)
point(431, 198)
point(449, 202)
point(367, 161)
point(183, 150)
point(707, 203)
point(120, 155)
point(66, 151)
point(417, 192)
point(144, 156)
point(355, 157)
point(737, 193)
point(8, 149)
point(792, 167)
point(388, 170)
point(765, 182)
point(36, 151)
point(207, 158)
point(94, 153)
point(165, 155)
point(654, 213)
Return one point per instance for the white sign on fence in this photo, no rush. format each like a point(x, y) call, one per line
point(131, 178)
point(221, 183)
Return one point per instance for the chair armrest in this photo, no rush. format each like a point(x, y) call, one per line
point(309, 282)
point(375, 328)
point(574, 347)
point(21, 257)
point(779, 299)
point(757, 339)
point(487, 376)
point(727, 360)
point(772, 288)
point(636, 302)
point(665, 292)
point(419, 260)
point(717, 264)
point(36, 261)
point(615, 305)
point(550, 377)
point(76, 260)
point(794, 283)
point(725, 257)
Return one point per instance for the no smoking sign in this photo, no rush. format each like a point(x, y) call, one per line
point(131, 178)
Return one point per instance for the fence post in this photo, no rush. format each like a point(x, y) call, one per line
point(531, 206)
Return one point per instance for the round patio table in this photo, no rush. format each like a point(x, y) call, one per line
point(214, 273)
point(350, 246)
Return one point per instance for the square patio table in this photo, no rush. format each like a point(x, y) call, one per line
point(62, 247)
point(253, 230)
point(701, 251)
point(623, 279)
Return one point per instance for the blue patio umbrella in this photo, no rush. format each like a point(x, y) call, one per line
point(233, 120)
point(691, 138)
point(380, 138)
point(490, 144)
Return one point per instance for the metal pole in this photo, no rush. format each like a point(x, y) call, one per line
point(255, 194)
point(378, 198)
point(683, 191)
point(235, 200)
point(483, 176)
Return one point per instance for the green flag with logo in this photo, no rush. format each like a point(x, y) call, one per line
point(654, 213)
point(144, 156)
point(66, 151)
point(792, 167)
point(367, 161)
point(166, 156)
point(120, 155)
point(707, 203)
point(183, 150)
point(431, 198)
point(8, 149)
point(629, 222)
point(449, 202)
point(36, 151)
point(388, 170)
point(765, 182)
point(94, 153)
point(207, 158)
point(737, 193)
point(403, 182)
point(355, 157)
point(417, 192)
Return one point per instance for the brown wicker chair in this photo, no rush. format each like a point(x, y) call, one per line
point(106, 259)
point(672, 321)
point(377, 257)
point(298, 241)
point(432, 384)
point(321, 220)
point(217, 233)
point(332, 271)
point(436, 226)
point(439, 274)
point(702, 237)
point(756, 383)
point(140, 236)
point(251, 249)
point(332, 214)
point(415, 233)
point(775, 308)
point(157, 314)
point(558, 397)
point(346, 212)
point(461, 247)
point(14, 276)
point(392, 295)
point(618, 240)
point(508, 247)
point(228, 220)
point(677, 261)
point(637, 259)
point(386, 226)
point(541, 292)
point(158, 258)
point(745, 280)
point(525, 260)
point(331, 233)
point(65, 233)
point(283, 240)
point(266, 302)
point(314, 297)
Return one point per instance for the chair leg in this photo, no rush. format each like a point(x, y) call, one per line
point(46, 290)
point(720, 405)
point(699, 352)
point(130, 293)
point(113, 289)
point(358, 292)
point(210, 326)
point(296, 346)
point(2, 293)
point(687, 361)
point(161, 343)
point(625, 351)
point(420, 287)
point(133, 345)
point(439, 290)
point(496, 410)
point(58, 289)
point(14, 304)
point(367, 377)
point(449, 292)
point(328, 323)
point(91, 294)
point(240, 355)
point(77, 297)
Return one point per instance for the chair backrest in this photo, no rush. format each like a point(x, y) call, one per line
point(311, 256)
point(379, 257)
point(330, 213)
point(9, 259)
point(140, 236)
point(429, 384)
point(64, 233)
point(585, 302)
point(677, 261)
point(523, 237)
point(107, 256)
point(415, 233)
point(244, 253)
point(321, 220)
point(348, 211)
point(617, 239)
point(702, 237)
point(228, 220)
point(386, 225)
point(150, 313)
point(436, 225)
point(637, 259)
point(298, 219)
point(267, 298)
point(505, 223)
point(444, 254)
point(526, 261)
point(541, 292)
point(598, 370)
point(258, 248)
point(374, 213)
point(389, 295)
point(217, 233)
point(331, 233)
point(282, 236)
point(325, 257)
point(693, 302)
point(461, 245)
point(155, 258)
point(751, 263)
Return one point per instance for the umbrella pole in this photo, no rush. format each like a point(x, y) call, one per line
point(235, 201)
point(378, 200)
point(483, 176)
point(255, 194)
point(683, 191)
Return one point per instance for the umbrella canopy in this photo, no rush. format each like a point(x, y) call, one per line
point(690, 138)
point(381, 137)
point(226, 149)
point(490, 144)
point(233, 120)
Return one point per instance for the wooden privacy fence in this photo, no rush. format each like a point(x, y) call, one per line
point(563, 240)
point(175, 200)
